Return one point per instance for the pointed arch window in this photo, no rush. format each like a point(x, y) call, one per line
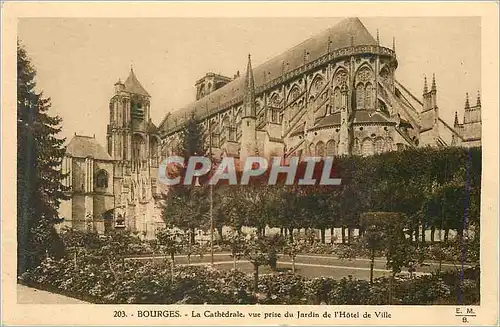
point(367, 147)
point(356, 147)
point(225, 130)
point(294, 93)
point(379, 145)
point(368, 96)
point(320, 149)
point(138, 147)
point(337, 99)
point(331, 148)
point(360, 96)
point(388, 144)
point(101, 179)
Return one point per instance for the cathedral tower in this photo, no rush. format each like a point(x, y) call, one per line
point(248, 119)
point(133, 144)
point(129, 119)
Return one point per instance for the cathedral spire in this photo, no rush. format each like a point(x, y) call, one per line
point(249, 95)
point(433, 87)
point(426, 89)
point(478, 103)
point(132, 84)
point(467, 104)
point(378, 38)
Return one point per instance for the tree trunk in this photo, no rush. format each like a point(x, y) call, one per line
point(417, 234)
point(290, 234)
point(323, 235)
point(219, 231)
point(343, 235)
point(192, 240)
point(423, 234)
point(372, 263)
point(460, 233)
point(263, 230)
point(281, 231)
point(391, 283)
point(256, 277)
point(446, 234)
point(410, 234)
point(332, 235)
point(349, 235)
point(433, 234)
point(172, 257)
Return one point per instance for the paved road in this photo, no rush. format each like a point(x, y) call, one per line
point(28, 295)
point(307, 265)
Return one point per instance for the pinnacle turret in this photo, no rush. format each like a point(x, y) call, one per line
point(426, 89)
point(433, 87)
point(456, 119)
point(478, 103)
point(467, 104)
point(249, 95)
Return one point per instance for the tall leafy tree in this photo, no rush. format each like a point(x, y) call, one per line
point(39, 156)
point(186, 206)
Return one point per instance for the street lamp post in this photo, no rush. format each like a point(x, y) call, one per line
point(211, 226)
point(211, 195)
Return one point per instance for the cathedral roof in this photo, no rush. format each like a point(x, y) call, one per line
point(366, 116)
point(344, 34)
point(152, 129)
point(330, 120)
point(360, 117)
point(132, 85)
point(82, 146)
point(299, 130)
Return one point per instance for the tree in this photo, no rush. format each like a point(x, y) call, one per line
point(384, 234)
point(186, 205)
point(39, 177)
point(238, 247)
point(186, 208)
point(256, 252)
point(171, 244)
point(292, 249)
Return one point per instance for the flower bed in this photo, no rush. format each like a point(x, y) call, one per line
point(101, 281)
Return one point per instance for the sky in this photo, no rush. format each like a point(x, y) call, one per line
point(78, 60)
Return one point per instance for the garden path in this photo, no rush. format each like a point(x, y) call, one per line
point(28, 295)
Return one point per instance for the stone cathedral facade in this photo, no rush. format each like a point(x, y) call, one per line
point(119, 184)
point(333, 94)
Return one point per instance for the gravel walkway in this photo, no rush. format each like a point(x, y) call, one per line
point(28, 295)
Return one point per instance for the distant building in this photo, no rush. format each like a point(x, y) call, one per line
point(333, 94)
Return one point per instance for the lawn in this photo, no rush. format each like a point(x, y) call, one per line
point(305, 265)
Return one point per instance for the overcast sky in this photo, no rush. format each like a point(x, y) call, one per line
point(79, 60)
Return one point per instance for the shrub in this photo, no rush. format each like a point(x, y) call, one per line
point(151, 283)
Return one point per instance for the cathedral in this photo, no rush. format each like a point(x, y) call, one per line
point(333, 94)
